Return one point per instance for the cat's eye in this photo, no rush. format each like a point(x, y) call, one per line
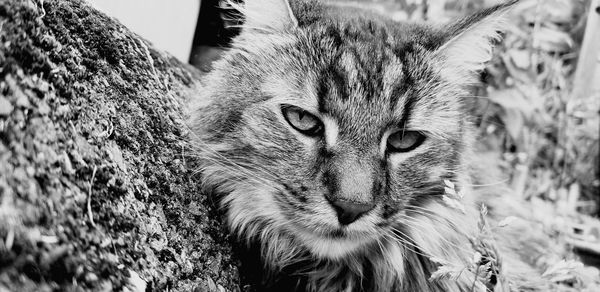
point(404, 141)
point(302, 121)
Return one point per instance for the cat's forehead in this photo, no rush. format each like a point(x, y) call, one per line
point(355, 84)
point(358, 71)
point(363, 76)
point(363, 73)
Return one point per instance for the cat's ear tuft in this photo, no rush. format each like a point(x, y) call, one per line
point(471, 39)
point(267, 15)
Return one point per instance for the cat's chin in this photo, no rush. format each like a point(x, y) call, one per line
point(332, 248)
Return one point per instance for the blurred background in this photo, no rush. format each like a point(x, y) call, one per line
point(537, 112)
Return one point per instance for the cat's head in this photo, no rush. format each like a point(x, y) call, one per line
point(329, 133)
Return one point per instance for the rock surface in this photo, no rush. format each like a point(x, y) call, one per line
point(96, 190)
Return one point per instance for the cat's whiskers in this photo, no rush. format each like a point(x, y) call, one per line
point(231, 166)
point(235, 171)
point(215, 156)
point(397, 234)
point(427, 213)
point(400, 236)
point(258, 172)
point(417, 224)
point(502, 182)
point(380, 245)
point(430, 215)
point(205, 150)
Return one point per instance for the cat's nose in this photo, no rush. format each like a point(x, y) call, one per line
point(349, 212)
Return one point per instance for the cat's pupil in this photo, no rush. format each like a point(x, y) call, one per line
point(404, 141)
point(302, 121)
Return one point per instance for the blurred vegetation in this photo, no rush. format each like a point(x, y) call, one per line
point(546, 137)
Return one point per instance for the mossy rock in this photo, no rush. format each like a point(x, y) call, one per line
point(91, 114)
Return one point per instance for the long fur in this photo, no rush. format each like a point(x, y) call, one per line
point(364, 78)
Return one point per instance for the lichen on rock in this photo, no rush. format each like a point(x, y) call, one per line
point(95, 192)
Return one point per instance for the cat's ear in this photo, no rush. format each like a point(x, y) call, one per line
point(268, 15)
point(471, 39)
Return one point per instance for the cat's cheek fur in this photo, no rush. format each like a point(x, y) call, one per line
point(253, 216)
point(247, 206)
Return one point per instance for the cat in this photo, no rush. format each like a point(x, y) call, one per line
point(341, 146)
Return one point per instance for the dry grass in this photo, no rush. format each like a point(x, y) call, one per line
point(546, 138)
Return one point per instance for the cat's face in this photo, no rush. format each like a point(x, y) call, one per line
point(332, 136)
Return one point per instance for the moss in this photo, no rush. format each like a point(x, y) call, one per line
point(92, 104)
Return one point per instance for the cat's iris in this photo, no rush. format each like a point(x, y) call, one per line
point(302, 121)
point(404, 141)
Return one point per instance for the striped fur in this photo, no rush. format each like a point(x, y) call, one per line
point(364, 77)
